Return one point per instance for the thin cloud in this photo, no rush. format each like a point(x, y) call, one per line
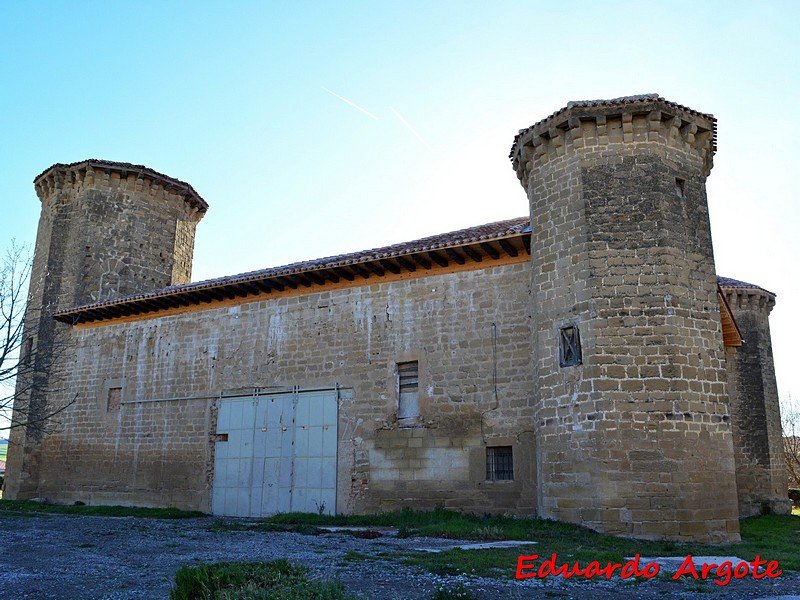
point(409, 127)
point(353, 104)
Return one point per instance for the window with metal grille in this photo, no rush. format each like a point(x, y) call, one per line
point(569, 347)
point(499, 463)
point(408, 386)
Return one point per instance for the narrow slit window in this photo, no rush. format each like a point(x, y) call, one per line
point(114, 398)
point(499, 463)
point(680, 187)
point(408, 387)
point(569, 347)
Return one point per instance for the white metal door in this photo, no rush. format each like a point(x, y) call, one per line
point(280, 454)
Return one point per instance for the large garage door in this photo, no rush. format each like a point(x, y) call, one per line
point(279, 455)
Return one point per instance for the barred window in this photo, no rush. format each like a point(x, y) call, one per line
point(408, 386)
point(569, 347)
point(499, 463)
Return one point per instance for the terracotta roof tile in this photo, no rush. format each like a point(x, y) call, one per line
point(470, 235)
point(730, 283)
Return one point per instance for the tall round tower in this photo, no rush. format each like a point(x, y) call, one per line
point(106, 230)
point(633, 424)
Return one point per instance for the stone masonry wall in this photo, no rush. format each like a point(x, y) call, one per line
point(637, 439)
point(468, 330)
point(761, 479)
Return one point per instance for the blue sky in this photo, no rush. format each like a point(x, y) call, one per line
point(240, 100)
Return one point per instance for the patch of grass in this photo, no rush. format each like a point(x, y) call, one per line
point(28, 506)
point(274, 580)
point(234, 525)
point(773, 537)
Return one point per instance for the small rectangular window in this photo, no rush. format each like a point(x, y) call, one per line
point(408, 388)
point(114, 398)
point(569, 347)
point(499, 463)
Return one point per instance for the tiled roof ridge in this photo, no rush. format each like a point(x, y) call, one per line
point(125, 166)
point(473, 234)
point(635, 99)
point(731, 283)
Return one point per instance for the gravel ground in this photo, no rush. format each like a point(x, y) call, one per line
point(77, 557)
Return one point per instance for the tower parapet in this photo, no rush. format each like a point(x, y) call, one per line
point(761, 479)
point(633, 424)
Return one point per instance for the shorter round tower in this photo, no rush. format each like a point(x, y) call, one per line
point(761, 479)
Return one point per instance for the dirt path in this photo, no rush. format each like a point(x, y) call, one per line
point(93, 558)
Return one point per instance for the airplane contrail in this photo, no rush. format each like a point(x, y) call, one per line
point(409, 127)
point(353, 104)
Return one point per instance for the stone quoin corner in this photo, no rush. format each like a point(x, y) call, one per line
point(583, 362)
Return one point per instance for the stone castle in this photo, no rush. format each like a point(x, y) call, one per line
point(584, 363)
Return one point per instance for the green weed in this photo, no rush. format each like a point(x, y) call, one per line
point(274, 580)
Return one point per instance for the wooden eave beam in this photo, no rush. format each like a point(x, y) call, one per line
point(360, 270)
point(380, 272)
point(193, 297)
point(330, 275)
point(240, 290)
point(469, 251)
point(170, 301)
point(490, 250)
point(214, 293)
point(152, 304)
point(455, 256)
point(526, 241)
point(261, 286)
point(299, 278)
point(440, 260)
point(315, 277)
point(342, 272)
point(250, 287)
point(406, 264)
point(508, 247)
point(97, 314)
point(390, 266)
point(287, 281)
point(421, 261)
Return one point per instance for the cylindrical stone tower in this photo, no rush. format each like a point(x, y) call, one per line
point(761, 479)
point(106, 230)
point(633, 424)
